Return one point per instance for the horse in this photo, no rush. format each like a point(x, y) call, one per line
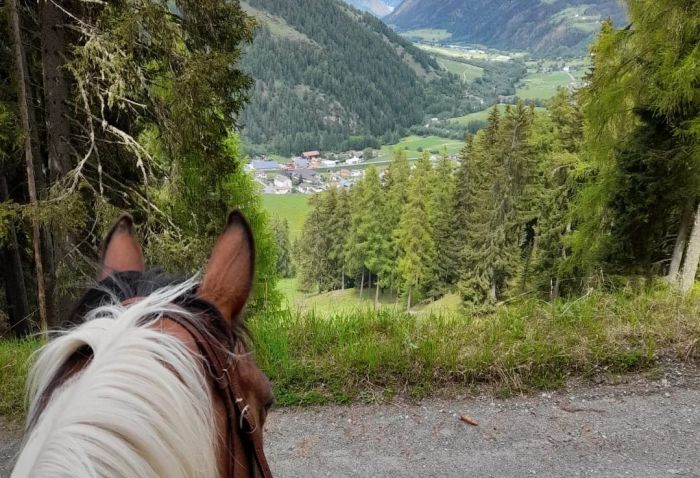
point(154, 378)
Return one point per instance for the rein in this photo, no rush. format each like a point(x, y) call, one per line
point(224, 374)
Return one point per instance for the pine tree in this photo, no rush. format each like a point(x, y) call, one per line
point(397, 185)
point(440, 214)
point(414, 234)
point(285, 266)
point(494, 248)
point(642, 115)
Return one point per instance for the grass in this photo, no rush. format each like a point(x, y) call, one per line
point(465, 71)
point(313, 359)
point(366, 355)
point(428, 34)
point(482, 115)
point(335, 302)
point(542, 85)
point(14, 365)
point(412, 144)
point(292, 207)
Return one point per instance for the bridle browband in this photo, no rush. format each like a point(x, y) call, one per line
point(242, 426)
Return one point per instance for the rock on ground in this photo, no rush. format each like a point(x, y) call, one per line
point(640, 428)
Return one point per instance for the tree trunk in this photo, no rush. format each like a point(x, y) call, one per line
point(362, 283)
point(22, 78)
point(342, 278)
point(369, 280)
point(408, 303)
point(554, 292)
point(15, 289)
point(681, 241)
point(493, 292)
point(53, 54)
point(692, 255)
point(376, 297)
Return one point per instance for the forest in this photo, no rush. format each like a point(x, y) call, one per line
point(138, 106)
point(598, 190)
point(130, 106)
point(340, 80)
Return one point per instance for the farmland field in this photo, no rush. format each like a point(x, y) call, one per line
point(482, 115)
point(292, 207)
point(428, 34)
point(411, 144)
point(542, 85)
point(465, 71)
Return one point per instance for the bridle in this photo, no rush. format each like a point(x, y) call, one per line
point(220, 365)
point(243, 429)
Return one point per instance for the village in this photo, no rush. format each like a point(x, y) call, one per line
point(309, 173)
point(312, 173)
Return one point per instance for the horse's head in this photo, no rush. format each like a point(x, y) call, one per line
point(156, 380)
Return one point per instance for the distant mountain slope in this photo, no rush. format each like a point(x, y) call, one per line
point(328, 77)
point(545, 27)
point(375, 7)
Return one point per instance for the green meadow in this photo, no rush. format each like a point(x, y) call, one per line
point(292, 207)
point(542, 85)
point(413, 145)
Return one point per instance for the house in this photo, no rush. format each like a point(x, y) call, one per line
point(329, 163)
point(315, 163)
point(311, 155)
point(353, 160)
point(282, 184)
point(259, 165)
point(507, 100)
point(300, 163)
point(306, 176)
point(344, 173)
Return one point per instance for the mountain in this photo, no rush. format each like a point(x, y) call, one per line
point(375, 7)
point(543, 27)
point(332, 78)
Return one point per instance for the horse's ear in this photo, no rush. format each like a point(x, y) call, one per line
point(228, 279)
point(121, 252)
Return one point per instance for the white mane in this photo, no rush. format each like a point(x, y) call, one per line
point(140, 408)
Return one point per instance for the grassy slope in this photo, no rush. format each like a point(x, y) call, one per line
point(292, 207)
point(314, 358)
point(368, 355)
point(482, 115)
point(465, 71)
point(14, 365)
point(411, 144)
point(542, 85)
point(428, 34)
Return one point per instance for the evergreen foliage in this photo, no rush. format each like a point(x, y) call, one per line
point(131, 106)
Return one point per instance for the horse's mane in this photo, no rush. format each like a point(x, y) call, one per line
point(141, 407)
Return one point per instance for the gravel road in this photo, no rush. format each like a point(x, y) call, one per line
point(640, 428)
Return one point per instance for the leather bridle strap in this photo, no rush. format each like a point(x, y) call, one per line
point(230, 389)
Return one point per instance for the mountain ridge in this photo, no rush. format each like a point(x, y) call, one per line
point(551, 28)
point(330, 77)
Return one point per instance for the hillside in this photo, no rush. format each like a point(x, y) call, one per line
point(375, 7)
point(329, 77)
point(551, 27)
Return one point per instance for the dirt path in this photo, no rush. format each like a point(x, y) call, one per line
point(642, 428)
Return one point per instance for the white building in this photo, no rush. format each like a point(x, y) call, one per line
point(282, 184)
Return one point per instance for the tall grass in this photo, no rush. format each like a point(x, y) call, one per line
point(368, 355)
point(529, 345)
point(14, 365)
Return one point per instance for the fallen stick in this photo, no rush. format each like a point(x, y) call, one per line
point(469, 420)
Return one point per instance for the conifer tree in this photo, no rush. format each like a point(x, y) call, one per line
point(397, 185)
point(285, 266)
point(440, 213)
point(414, 234)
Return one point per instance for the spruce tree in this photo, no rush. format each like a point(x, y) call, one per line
point(414, 234)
